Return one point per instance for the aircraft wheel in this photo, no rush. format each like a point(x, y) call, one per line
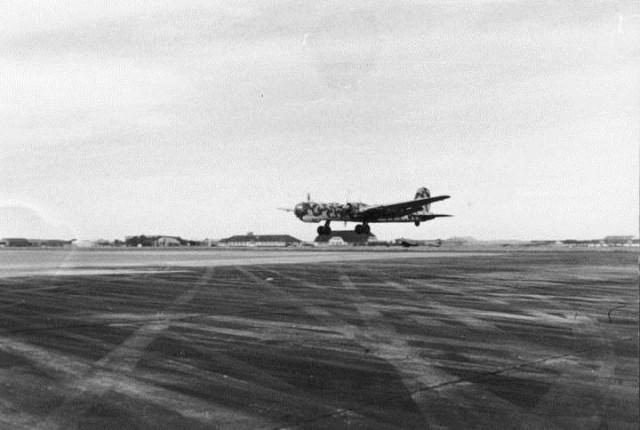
point(417, 223)
point(320, 230)
point(358, 229)
point(366, 229)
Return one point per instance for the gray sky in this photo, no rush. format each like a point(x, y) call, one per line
point(199, 118)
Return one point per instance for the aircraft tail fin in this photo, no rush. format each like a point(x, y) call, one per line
point(423, 193)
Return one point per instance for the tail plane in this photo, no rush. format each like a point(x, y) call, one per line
point(423, 193)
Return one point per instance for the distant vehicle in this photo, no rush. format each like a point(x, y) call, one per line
point(415, 211)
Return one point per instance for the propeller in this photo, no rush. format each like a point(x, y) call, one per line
point(293, 210)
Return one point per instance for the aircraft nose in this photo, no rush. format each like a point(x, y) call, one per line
point(299, 210)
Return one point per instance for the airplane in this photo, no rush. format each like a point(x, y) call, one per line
point(415, 211)
point(406, 243)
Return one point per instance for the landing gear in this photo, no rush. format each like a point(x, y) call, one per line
point(417, 223)
point(324, 229)
point(363, 229)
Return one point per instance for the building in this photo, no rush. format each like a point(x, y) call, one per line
point(49, 243)
point(210, 242)
point(263, 240)
point(618, 240)
point(344, 238)
point(14, 242)
point(167, 241)
point(608, 241)
point(159, 241)
point(91, 243)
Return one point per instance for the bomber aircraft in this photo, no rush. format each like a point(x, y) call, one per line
point(415, 211)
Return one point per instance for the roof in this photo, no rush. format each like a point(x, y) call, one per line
point(16, 241)
point(170, 239)
point(261, 238)
point(48, 242)
point(348, 236)
point(617, 238)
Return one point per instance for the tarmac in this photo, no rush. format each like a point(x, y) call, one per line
point(388, 339)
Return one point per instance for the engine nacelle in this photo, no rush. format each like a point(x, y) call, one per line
point(311, 218)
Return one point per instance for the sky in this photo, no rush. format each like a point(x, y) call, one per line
point(200, 118)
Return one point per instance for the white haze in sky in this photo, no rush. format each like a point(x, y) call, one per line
point(199, 118)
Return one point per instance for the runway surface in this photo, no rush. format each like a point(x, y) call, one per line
point(319, 340)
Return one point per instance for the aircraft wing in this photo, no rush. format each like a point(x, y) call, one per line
point(399, 209)
point(432, 216)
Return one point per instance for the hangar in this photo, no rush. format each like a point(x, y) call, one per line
point(14, 242)
point(254, 240)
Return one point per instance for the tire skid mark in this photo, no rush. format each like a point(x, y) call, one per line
point(434, 288)
point(263, 386)
point(12, 305)
point(127, 355)
point(255, 373)
point(248, 333)
point(418, 376)
point(398, 354)
point(71, 369)
point(188, 406)
point(49, 360)
point(404, 290)
point(415, 372)
point(533, 418)
point(364, 308)
point(321, 314)
point(308, 308)
point(346, 330)
point(439, 308)
point(326, 317)
point(486, 319)
point(375, 332)
point(114, 372)
point(12, 418)
point(329, 302)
